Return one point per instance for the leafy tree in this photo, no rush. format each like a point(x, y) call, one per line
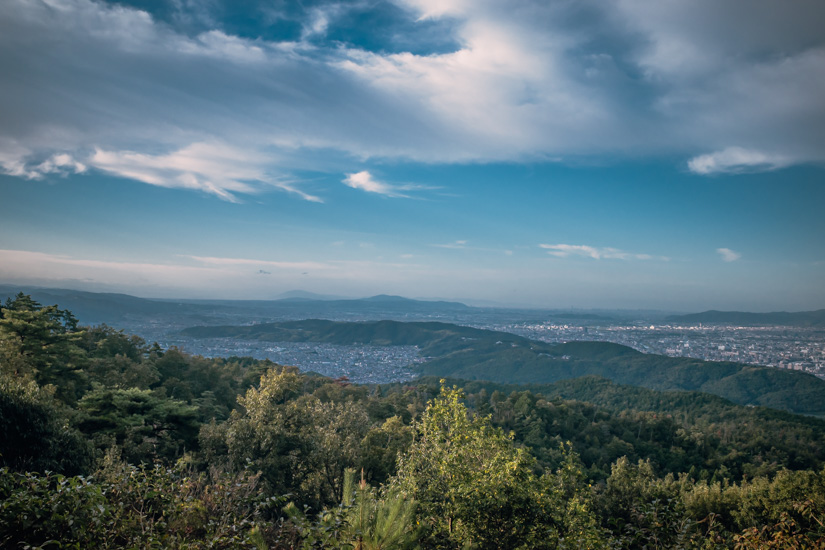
point(34, 435)
point(300, 444)
point(124, 506)
point(145, 426)
point(47, 339)
point(643, 510)
point(474, 487)
point(381, 447)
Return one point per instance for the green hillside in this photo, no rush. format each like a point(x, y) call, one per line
point(434, 338)
point(107, 442)
point(476, 354)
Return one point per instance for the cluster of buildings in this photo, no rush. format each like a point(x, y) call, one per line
point(363, 364)
point(775, 346)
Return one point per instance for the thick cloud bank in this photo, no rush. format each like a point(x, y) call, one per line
point(91, 86)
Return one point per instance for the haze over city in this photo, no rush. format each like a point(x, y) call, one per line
point(588, 154)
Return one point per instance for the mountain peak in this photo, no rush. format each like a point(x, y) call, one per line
point(387, 298)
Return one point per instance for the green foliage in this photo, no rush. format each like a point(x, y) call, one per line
point(128, 507)
point(381, 446)
point(679, 432)
point(34, 435)
point(378, 523)
point(300, 443)
point(50, 510)
point(47, 342)
point(671, 470)
point(643, 510)
point(474, 487)
point(362, 521)
point(476, 354)
point(145, 426)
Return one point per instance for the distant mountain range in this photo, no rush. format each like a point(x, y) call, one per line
point(475, 354)
point(104, 307)
point(742, 318)
point(133, 313)
point(124, 310)
point(304, 295)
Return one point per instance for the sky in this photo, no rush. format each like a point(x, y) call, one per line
point(532, 153)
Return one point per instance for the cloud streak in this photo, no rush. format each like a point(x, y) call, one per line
point(578, 250)
point(365, 181)
point(200, 275)
point(456, 245)
point(213, 168)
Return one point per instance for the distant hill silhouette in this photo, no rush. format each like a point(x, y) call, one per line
point(105, 307)
point(117, 309)
point(743, 318)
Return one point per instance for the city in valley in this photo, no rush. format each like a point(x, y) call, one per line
point(785, 347)
point(794, 348)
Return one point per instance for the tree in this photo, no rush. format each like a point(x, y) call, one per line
point(33, 431)
point(362, 521)
point(476, 488)
point(143, 425)
point(47, 339)
point(300, 444)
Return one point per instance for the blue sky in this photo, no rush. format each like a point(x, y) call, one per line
point(548, 154)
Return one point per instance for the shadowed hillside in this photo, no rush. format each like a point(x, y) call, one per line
point(476, 354)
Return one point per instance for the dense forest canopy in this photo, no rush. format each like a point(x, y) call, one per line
point(108, 442)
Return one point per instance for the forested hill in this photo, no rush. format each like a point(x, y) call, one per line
point(107, 442)
point(476, 354)
point(543, 363)
point(434, 338)
point(743, 318)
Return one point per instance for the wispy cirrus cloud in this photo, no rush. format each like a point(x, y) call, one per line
point(608, 253)
point(455, 245)
point(365, 181)
point(219, 261)
point(728, 255)
point(213, 168)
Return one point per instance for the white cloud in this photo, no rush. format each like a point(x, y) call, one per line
point(61, 163)
point(728, 255)
point(300, 266)
point(566, 250)
point(210, 167)
point(456, 245)
point(14, 162)
point(736, 159)
point(433, 9)
point(527, 81)
point(364, 181)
